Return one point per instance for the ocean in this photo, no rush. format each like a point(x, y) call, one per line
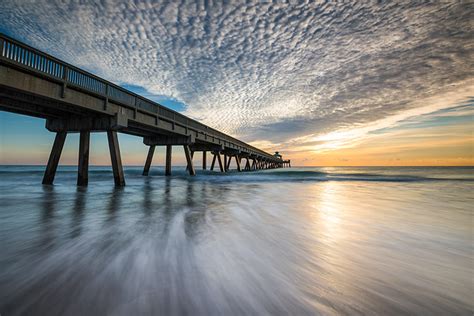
point(299, 241)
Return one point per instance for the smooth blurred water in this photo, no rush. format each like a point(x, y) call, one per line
point(288, 241)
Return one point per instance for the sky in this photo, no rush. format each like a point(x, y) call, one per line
point(324, 83)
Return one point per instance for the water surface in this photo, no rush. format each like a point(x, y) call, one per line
point(289, 241)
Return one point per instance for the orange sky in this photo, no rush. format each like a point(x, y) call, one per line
point(441, 138)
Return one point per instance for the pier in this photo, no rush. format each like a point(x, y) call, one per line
point(72, 100)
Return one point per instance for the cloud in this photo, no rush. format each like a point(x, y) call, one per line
point(418, 116)
point(268, 72)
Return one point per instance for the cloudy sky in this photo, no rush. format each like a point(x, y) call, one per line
point(324, 83)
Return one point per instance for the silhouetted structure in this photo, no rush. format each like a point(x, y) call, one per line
point(284, 163)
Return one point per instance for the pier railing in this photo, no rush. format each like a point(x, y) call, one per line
point(31, 59)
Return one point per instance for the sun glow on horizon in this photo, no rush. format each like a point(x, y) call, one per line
point(430, 135)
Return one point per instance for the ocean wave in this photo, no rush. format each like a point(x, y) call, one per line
point(421, 174)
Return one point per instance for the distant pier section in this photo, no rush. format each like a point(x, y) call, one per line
point(74, 101)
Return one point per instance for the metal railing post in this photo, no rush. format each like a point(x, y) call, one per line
point(106, 102)
point(2, 45)
point(65, 76)
point(135, 110)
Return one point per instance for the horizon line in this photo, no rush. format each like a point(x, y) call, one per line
point(365, 166)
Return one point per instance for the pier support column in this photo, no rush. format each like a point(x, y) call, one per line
point(168, 160)
point(189, 159)
point(83, 165)
point(192, 156)
point(213, 161)
point(115, 158)
point(54, 156)
point(227, 166)
point(149, 159)
point(237, 161)
point(204, 160)
point(219, 160)
point(247, 165)
point(225, 162)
